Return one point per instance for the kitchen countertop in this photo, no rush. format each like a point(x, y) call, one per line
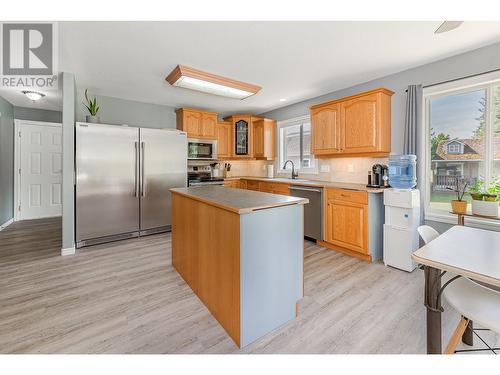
point(304, 182)
point(240, 201)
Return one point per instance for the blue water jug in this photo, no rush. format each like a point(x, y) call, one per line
point(403, 171)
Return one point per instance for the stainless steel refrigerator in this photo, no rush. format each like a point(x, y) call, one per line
point(123, 177)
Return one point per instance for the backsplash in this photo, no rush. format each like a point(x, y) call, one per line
point(255, 168)
point(354, 170)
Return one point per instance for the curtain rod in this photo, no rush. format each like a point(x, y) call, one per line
point(457, 79)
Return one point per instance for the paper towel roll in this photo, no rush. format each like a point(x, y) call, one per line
point(270, 170)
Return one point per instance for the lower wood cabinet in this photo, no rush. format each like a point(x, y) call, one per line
point(353, 223)
point(232, 183)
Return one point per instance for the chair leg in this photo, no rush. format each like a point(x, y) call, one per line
point(457, 334)
point(468, 336)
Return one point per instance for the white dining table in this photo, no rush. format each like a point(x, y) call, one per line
point(465, 251)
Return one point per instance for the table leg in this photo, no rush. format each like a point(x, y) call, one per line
point(433, 305)
point(468, 336)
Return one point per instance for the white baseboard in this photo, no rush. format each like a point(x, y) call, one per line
point(68, 251)
point(6, 224)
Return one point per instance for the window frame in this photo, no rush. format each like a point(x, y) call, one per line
point(485, 82)
point(280, 152)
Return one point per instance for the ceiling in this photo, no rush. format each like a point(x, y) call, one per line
point(292, 60)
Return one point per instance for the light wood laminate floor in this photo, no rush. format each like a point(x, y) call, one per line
point(125, 297)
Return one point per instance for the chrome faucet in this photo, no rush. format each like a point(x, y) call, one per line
point(294, 174)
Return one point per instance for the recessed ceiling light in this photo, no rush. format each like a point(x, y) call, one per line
point(189, 78)
point(33, 95)
point(282, 100)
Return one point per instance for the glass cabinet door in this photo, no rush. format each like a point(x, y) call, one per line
point(241, 135)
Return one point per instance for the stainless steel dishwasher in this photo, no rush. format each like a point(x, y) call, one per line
point(313, 212)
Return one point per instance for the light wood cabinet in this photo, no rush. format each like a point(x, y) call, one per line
point(232, 183)
point(266, 187)
point(197, 123)
point(325, 129)
point(359, 125)
point(346, 220)
point(264, 139)
point(242, 136)
point(224, 139)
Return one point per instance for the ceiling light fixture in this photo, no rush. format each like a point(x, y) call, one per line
point(283, 100)
point(189, 78)
point(33, 95)
point(448, 26)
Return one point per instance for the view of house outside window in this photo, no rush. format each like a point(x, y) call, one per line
point(295, 145)
point(464, 141)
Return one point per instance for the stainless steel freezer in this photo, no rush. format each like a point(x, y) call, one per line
point(123, 177)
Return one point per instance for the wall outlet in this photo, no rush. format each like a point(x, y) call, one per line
point(350, 168)
point(325, 168)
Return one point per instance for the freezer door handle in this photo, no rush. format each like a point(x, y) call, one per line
point(136, 173)
point(143, 192)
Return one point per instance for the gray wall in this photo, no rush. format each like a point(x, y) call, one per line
point(469, 63)
point(34, 114)
point(474, 62)
point(6, 161)
point(117, 111)
point(68, 135)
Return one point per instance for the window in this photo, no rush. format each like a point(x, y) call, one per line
point(454, 148)
point(463, 138)
point(294, 139)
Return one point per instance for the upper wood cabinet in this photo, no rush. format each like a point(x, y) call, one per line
point(325, 123)
point(264, 139)
point(224, 138)
point(359, 125)
point(252, 137)
point(197, 123)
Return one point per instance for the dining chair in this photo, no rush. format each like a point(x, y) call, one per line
point(474, 301)
point(427, 233)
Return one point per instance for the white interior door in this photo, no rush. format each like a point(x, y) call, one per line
point(40, 170)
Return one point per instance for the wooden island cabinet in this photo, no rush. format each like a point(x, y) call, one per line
point(359, 125)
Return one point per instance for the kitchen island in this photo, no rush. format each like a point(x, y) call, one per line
point(241, 252)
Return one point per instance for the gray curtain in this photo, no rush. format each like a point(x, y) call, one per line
point(412, 141)
point(412, 118)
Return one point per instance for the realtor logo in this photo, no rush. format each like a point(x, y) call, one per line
point(28, 55)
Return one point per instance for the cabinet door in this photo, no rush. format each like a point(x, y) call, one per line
point(192, 124)
point(347, 225)
point(242, 137)
point(208, 125)
point(258, 139)
point(325, 123)
point(224, 139)
point(360, 125)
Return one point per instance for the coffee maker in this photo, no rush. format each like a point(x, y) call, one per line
point(378, 177)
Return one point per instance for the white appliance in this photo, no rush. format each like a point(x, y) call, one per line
point(402, 218)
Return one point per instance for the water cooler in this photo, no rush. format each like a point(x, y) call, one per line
point(402, 218)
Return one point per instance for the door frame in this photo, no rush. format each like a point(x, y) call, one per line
point(17, 159)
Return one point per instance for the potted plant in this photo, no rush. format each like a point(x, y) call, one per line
point(93, 108)
point(459, 205)
point(485, 201)
point(476, 190)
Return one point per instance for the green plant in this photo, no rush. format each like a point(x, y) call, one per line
point(494, 187)
point(460, 188)
point(476, 190)
point(91, 104)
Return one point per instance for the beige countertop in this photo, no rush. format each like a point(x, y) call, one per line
point(240, 201)
point(304, 182)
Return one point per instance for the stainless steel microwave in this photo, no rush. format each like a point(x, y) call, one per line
point(202, 149)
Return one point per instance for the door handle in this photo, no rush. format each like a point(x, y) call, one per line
point(143, 193)
point(136, 177)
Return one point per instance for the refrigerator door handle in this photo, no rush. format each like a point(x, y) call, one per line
point(143, 192)
point(136, 173)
